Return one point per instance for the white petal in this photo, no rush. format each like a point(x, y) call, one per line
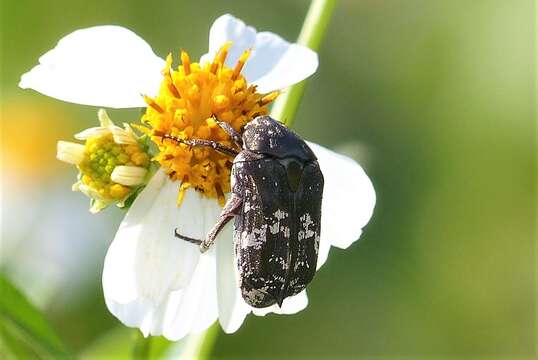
point(69, 152)
point(348, 200)
point(129, 175)
point(184, 311)
point(194, 308)
point(291, 305)
point(136, 313)
point(106, 66)
point(146, 260)
point(228, 28)
point(91, 132)
point(104, 119)
point(88, 191)
point(274, 62)
point(232, 307)
point(123, 136)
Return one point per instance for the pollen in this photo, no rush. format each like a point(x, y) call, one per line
point(191, 99)
point(101, 156)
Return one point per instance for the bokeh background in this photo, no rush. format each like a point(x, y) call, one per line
point(436, 99)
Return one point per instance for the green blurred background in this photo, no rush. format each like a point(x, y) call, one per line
point(436, 99)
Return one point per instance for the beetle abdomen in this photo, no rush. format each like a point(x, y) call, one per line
point(277, 236)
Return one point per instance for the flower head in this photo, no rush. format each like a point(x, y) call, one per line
point(112, 163)
point(191, 97)
point(151, 279)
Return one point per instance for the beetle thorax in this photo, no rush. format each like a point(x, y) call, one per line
point(265, 135)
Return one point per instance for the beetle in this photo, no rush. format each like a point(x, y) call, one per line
point(277, 189)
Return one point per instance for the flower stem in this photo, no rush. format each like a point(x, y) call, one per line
point(314, 28)
point(199, 346)
point(142, 347)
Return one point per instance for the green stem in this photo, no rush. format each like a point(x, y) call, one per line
point(199, 346)
point(312, 33)
point(142, 347)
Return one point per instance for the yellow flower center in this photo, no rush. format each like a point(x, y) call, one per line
point(189, 101)
point(101, 156)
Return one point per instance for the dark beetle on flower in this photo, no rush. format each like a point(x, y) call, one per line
point(277, 188)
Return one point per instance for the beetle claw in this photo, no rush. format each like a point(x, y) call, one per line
point(203, 247)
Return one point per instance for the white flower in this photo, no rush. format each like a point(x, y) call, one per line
point(151, 279)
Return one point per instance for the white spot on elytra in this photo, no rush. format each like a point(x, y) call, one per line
point(280, 214)
point(306, 232)
point(256, 238)
point(273, 229)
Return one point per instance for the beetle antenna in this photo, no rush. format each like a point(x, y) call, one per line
point(200, 143)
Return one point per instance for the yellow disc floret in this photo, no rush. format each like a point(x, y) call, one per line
point(102, 155)
point(190, 100)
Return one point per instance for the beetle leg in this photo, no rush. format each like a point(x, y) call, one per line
point(232, 208)
point(201, 142)
point(186, 238)
point(236, 137)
